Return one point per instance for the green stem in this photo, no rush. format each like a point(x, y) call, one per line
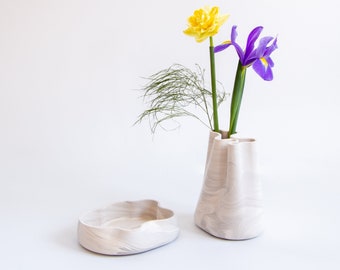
point(213, 85)
point(236, 98)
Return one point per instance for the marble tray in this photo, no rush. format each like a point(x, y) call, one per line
point(128, 227)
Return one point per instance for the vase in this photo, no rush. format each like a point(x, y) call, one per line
point(230, 205)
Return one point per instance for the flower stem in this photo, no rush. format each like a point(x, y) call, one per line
point(236, 98)
point(213, 85)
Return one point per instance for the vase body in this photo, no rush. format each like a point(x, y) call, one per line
point(230, 204)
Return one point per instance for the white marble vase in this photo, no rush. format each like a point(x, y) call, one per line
point(230, 204)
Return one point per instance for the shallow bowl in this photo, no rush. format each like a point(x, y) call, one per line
point(128, 227)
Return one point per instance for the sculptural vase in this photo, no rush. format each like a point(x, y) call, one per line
point(230, 205)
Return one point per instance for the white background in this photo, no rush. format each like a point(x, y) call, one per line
point(69, 74)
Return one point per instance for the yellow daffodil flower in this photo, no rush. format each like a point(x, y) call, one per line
point(204, 23)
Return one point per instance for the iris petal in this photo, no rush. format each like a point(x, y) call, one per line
point(236, 46)
point(222, 47)
point(259, 58)
point(233, 33)
point(253, 36)
point(264, 71)
point(271, 48)
point(261, 49)
point(270, 61)
point(240, 53)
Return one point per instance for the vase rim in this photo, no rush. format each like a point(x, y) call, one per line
point(235, 138)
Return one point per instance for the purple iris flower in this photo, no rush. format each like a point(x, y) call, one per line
point(258, 57)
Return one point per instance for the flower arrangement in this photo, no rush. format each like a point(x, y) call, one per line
point(177, 90)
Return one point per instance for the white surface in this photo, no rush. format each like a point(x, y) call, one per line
point(68, 70)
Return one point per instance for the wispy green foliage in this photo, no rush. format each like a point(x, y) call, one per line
point(175, 92)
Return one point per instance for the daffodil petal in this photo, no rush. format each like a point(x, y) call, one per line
point(205, 23)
